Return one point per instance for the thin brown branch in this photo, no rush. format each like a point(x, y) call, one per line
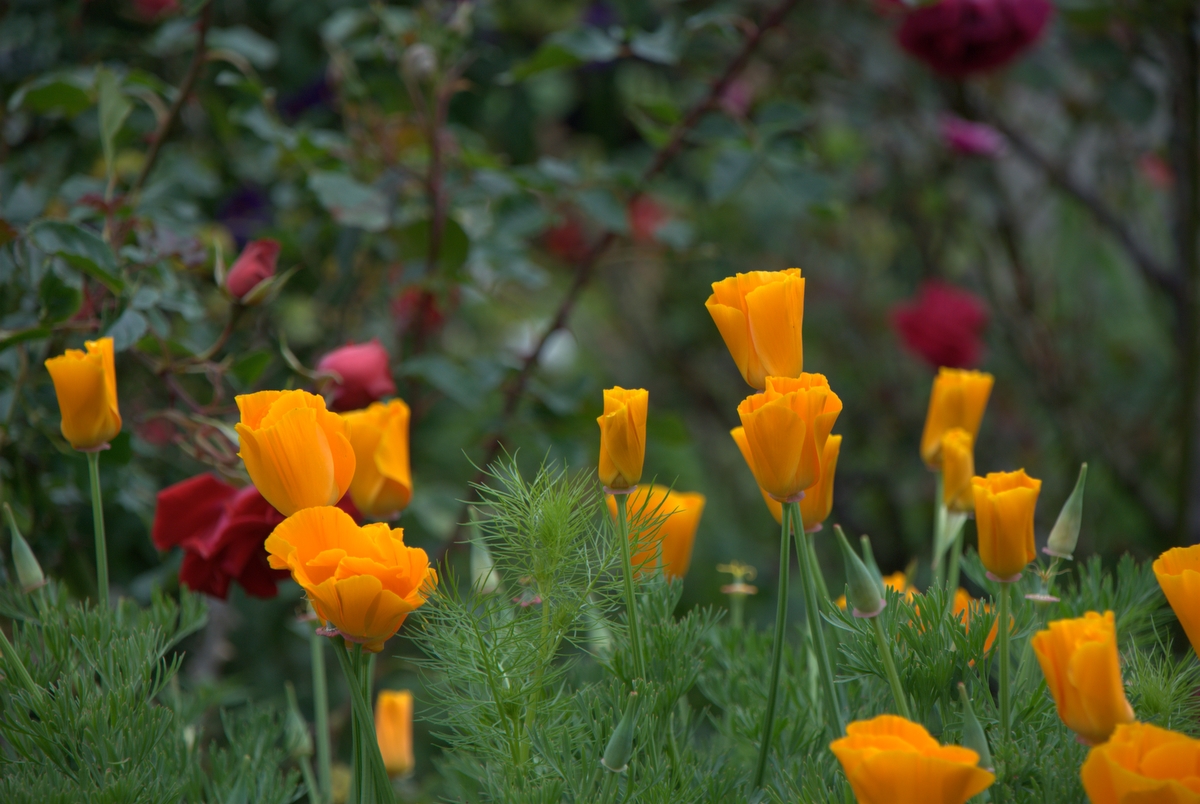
point(585, 268)
point(185, 90)
point(1057, 174)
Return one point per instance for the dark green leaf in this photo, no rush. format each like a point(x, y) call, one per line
point(249, 367)
point(59, 300)
point(414, 244)
point(63, 93)
point(351, 202)
point(126, 330)
point(114, 109)
point(729, 170)
point(604, 207)
point(662, 46)
point(79, 247)
point(257, 49)
point(9, 339)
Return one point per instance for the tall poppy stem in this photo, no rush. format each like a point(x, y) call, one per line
point(316, 644)
point(785, 559)
point(98, 524)
point(370, 783)
point(889, 665)
point(1003, 658)
point(631, 613)
point(810, 578)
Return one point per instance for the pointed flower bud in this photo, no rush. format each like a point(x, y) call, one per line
point(620, 745)
point(296, 737)
point(1065, 535)
point(869, 560)
point(29, 571)
point(973, 736)
point(864, 593)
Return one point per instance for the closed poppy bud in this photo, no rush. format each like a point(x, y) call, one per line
point(382, 484)
point(623, 437)
point(362, 581)
point(296, 451)
point(364, 375)
point(760, 316)
point(393, 730)
point(86, 386)
point(786, 429)
point(254, 265)
point(890, 760)
point(1083, 671)
point(1065, 534)
point(1143, 764)
point(958, 469)
point(958, 400)
point(1004, 505)
point(1178, 573)
point(678, 514)
point(864, 592)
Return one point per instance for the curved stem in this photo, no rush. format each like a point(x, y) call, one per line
point(98, 526)
point(889, 664)
point(808, 576)
point(631, 613)
point(785, 559)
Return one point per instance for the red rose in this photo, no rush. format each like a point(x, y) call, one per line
point(567, 240)
point(365, 375)
point(960, 37)
point(221, 529)
point(943, 324)
point(253, 265)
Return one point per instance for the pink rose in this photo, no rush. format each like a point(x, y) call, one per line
point(365, 375)
point(253, 265)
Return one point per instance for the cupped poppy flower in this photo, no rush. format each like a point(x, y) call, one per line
point(1004, 506)
point(943, 324)
point(382, 484)
point(817, 504)
point(760, 316)
point(363, 372)
point(1143, 764)
point(1083, 671)
point(890, 760)
point(678, 516)
point(86, 386)
point(958, 399)
point(957, 38)
point(362, 581)
point(1178, 573)
point(623, 437)
point(296, 452)
point(786, 428)
point(221, 530)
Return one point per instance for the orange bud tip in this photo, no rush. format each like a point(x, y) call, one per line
point(795, 498)
point(998, 579)
point(629, 490)
point(866, 615)
point(1041, 598)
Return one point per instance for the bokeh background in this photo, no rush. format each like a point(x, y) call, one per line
point(527, 201)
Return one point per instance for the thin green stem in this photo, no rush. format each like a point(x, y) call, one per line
point(1003, 658)
point(98, 525)
point(631, 613)
point(310, 781)
point(808, 577)
point(939, 525)
point(370, 780)
point(785, 559)
point(737, 608)
point(889, 664)
point(316, 644)
point(955, 559)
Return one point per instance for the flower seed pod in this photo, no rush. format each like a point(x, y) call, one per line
point(620, 745)
point(869, 560)
point(1065, 534)
point(864, 593)
point(29, 571)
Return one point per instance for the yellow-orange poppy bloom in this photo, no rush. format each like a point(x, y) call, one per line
point(818, 500)
point(1143, 764)
point(1083, 671)
point(1178, 573)
point(963, 604)
point(958, 469)
point(361, 580)
point(623, 437)
point(890, 760)
point(760, 315)
point(897, 581)
point(675, 534)
point(86, 386)
point(786, 428)
point(1004, 506)
point(382, 484)
point(393, 730)
point(958, 400)
point(296, 452)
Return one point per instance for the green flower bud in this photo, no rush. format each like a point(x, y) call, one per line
point(620, 745)
point(869, 560)
point(29, 571)
point(1065, 534)
point(864, 595)
point(973, 736)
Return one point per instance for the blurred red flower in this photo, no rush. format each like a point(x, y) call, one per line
point(253, 265)
point(366, 375)
point(646, 216)
point(221, 529)
point(960, 37)
point(567, 240)
point(943, 324)
point(417, 308)
point(150, 10)
point(971, 139)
